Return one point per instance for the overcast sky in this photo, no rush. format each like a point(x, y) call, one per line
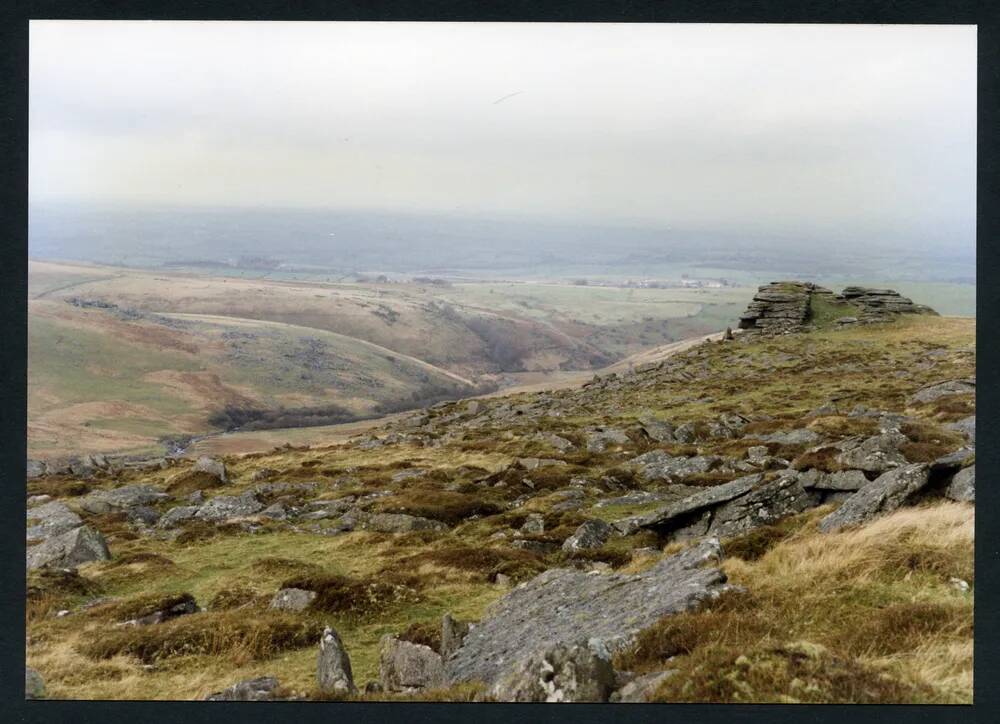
point(784, 129)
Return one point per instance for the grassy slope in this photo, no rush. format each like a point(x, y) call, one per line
point(868, 615)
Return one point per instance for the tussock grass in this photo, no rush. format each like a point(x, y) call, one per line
point(866, 615)
point(448, 507)
point(361, 598)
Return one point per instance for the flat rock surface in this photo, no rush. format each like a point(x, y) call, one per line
point(882, 495)
point(560, 606)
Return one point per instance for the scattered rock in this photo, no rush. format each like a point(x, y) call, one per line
point(562, 672)
point(333, 668)
point(50, 519)
point(407, 667)
point(177, 515)
point(942, 389)
point(224, 507)
point(591, 534)
point(883, 495)
point(600, 440)
point(401, 523)
point(802, 436)
point(69, 550)
point(534, 524)
point(292, 599)
point(658, 465)
point(640, 689)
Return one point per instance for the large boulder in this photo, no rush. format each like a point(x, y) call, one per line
point(213, 467)
point(591, 534)
point(573, 672)
point(69, 550)
point(963, 486)
point(766, 504)
point(842, 480)
point(263, 688)
point(658, 465)
point(50, 519)
point(406, 667)
point(177, 515)
point(561, 605)
point(943, 389)
point(883, 495)
point(129, 496)
point(333, 668)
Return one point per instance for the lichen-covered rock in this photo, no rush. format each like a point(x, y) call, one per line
point(560, 605)
point(842, 480)
point(882, 495)
point(534, 524)
point(69, 550)
point(591, 534)
point(966, 426)
point(51, 519)
point(177, 515)
point(564, 672)
point(670, 515)
point(877, 454)
point(640, 689)
point(262, 688)
point(766, 504)
point(406, 667)
point(333, 668)
point(224, 507)
point(658, 465)
point(601, 440)
point(943, 389)
point(963, 486)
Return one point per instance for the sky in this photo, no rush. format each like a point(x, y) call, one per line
point(795, 130)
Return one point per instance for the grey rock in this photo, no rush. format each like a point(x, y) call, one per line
point(764, 505)
point(176, 515)
point(802, 436)
point(963, 486)
point(600, 440)
point(536, 463)
point(876, 454)
point(224, 507)
point(333, 668)
point(563, 672)
point(943, 389)
point(842, 480)
point(35, 469)
point(882, 495)
point(658, 430)
point(559, 443)
point(640, 689)
point(639, 497)
point(408, 474)
point(541, 547)
point(142, 515)
point(534, 524)
point(36, 500)
point(187, 605)
point(559, 605)
point(292, 599)
point(69, 550)
point(665, 517)
point(406, 667)
point(34, 687)
point(686, 433)
point(401, 523)
point(50, 519)
point(196, 498)
point(453, 633)
point(658, 465)
point(127, 496)
point(591, 534)
point(954, 461)
point(966, 426)
point(213, 467)
point(260, 689)
point(275, 511)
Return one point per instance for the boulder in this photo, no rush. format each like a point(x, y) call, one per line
point(125, 497)
point(802, 436)
point(658, 465)
point(671, 515)
point(931, 393)
point(963, 486)
point(292, 599)
point(849, 480)
point(50, 519)
point(559, 443)
point(591, 534)
point(641, 689)
point(180, 606)
point(69, 550)
point(875, 455)
point(333, 668)
point(563, 672)
point(401, 523)
point(213, 467)
point(224, 507)
point(35, 469)
point(263, 688)
point(657, 430)
point(966, 426)
point(34, 687)
point(766, 504)
point(142, 515)
point(453, 633)
point(559, 605)
point(601, 440)
point(534, 524)
point(883, 495)
point(177, 515)
point(407, 667)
